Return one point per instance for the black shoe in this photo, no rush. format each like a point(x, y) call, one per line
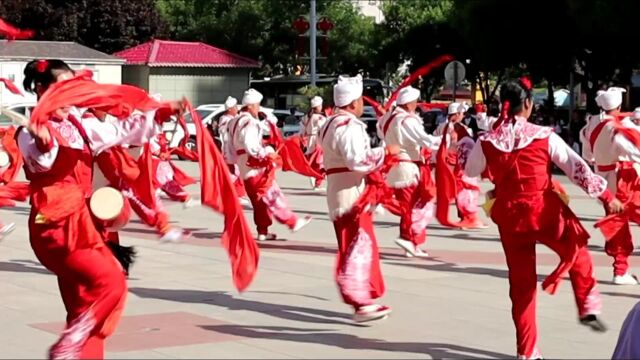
point(594, 323)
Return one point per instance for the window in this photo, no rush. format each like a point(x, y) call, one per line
point(372, 2)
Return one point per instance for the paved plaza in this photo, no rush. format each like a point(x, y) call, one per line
point(182, 303)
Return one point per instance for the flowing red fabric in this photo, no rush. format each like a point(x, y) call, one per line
point(13, 33)
point(446, 189)
point(185, 153)
point(290, 150)
point(219, 193)
point(11, 86)
point(13, 191)
point(422, 71)
point(181, 177)
point(81, 91)
point(379, 109)
point(143, 184)
point(10, 145)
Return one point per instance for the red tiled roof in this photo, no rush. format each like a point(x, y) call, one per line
point(183, 54)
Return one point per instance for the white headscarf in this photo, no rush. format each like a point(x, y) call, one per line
point(347, 90)
point(230, 102)
point(316, 101)
point(455, 108)
point(610, 99)
point(407, 95)
point(251, 96)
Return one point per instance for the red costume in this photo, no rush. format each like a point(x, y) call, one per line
point(518, 155)
point(614, 153)
point(257, 167)
point(62, 232)
point(411, 177)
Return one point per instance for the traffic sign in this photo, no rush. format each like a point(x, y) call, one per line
point(454, 73)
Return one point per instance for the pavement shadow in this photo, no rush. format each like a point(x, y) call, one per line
point(455, 268)
point(468, 236)
point(218, 298)
point(633, 296)
point(385, 253)
point(352, 342)
point(23, 266)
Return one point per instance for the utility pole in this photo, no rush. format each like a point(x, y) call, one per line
point(312, 41)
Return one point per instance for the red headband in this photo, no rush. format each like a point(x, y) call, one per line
point(42, 65)
point(526, 83)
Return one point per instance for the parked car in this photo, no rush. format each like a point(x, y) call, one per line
point(208, 113)
point(289, 127)
point(370, 118)
point(21, 108)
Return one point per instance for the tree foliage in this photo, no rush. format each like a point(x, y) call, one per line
point(105, 25)
point(262, 29)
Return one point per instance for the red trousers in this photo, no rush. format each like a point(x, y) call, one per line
point(520, 252)
point(358, 273)
point(272, 202)
point(237, 182)
point(408, 198)
point(175, 191)
point(93, 288)
point(157, 217)
point(620, 245)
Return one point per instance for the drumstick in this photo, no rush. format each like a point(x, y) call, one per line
point(16, 117)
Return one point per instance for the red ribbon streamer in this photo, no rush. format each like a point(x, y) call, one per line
point(219, 193)
point(13, 33)
point(422, 71)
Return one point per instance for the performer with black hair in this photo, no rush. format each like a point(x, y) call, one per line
point(59, 156)
point(518, 157)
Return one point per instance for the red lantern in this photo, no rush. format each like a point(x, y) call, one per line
point(324, 25)
point(301, 25)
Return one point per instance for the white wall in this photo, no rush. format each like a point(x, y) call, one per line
point(14, 70)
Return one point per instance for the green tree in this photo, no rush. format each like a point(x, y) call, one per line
point(106, 25)
point(262, 29)
point(417, 31)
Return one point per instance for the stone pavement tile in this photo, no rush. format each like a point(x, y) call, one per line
point(227, 350)
point(153, 331)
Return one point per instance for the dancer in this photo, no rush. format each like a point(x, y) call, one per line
point(411, 177)
point(121, 171)
point(230, 112)
point(310, 126)
point(614, 155)
point(457, 142)
point(348, 158)
point(257, 168)
point(169, 179)
point(518, 156)
point(58, 162)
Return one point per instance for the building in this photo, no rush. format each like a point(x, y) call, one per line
point(14, 55)
point(371, 8)
point(203, 73)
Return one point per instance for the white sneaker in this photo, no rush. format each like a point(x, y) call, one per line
point(407, 246)
point(312, 181)
point(408, 255)
point(7, 229)
point(421, 253)
point(265, 237)
point(172, 236)
point(626, 279)
point(244, 201)
point(301, 223)
point(189, 203)
point(371, 312)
